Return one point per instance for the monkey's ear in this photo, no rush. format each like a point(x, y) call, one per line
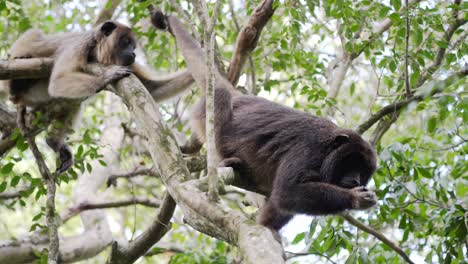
point(108, 27)
point(340, 139)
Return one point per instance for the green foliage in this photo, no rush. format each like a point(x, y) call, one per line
point(422, 178)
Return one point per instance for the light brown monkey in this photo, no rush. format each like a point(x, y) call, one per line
point(302, 163)
point(110, 43)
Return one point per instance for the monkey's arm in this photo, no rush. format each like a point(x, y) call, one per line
point(297, 188)
point(317, 198)
point(165, 87)
point(75, 84)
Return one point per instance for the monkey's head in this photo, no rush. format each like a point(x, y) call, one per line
point(115, 44)
point(350, 162)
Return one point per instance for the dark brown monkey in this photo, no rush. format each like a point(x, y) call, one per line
point(302, 163)
point(110, 43)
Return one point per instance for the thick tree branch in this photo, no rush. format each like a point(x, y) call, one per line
point(378, 235)
point(248, 38)
point(25, 68)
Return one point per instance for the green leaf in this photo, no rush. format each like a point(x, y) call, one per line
point(425, 173)
point(394, 17)
point(418, 37)
point(3, 186)
point(299, 237)
point(14, 181)
point(392, 66)
point(87, 138)
point(89, 167)
point(7, 168)
point(396, 4)
point(431, 124)
point(79, 152)
point(442, 44)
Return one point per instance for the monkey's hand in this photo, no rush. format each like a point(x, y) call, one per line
point(113, 74)
point(363, 198)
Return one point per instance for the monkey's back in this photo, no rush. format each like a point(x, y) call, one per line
point(263, 134)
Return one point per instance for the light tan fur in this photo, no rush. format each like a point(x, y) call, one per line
point(68, 80)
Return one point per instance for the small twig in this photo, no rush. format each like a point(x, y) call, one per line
point(156, 251)
point(423, 200)
point(438, 87)
point(407, 83)
point(9, 195)
point(290, 255)
point(378, 235)
point(71, 212)
point(112, 180)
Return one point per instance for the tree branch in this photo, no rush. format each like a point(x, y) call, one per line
point(378, 235)
point(338, 68)
point(25, 68)
point(147, 239)
point(424, 92)
point(84, 206)
point(49, 180)
point(10, 195)
point(107, 11)
point(248, 38)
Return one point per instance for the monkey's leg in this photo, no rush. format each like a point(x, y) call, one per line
point(57, 134)
point(272, 217)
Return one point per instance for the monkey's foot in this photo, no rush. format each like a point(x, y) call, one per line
point(66, 159)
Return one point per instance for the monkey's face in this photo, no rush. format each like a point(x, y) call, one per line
point(126, 47)
point(350, 163)
point(116, 44)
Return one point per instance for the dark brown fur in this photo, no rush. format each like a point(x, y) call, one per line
point(302, 163)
